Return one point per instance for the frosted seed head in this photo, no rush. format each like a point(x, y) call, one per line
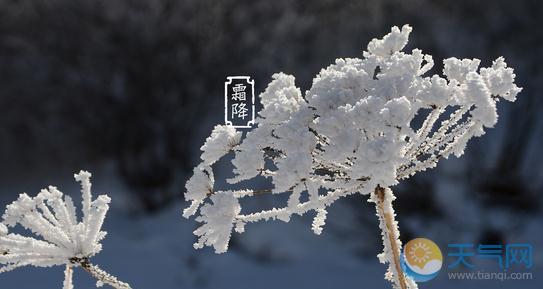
point(352, 131)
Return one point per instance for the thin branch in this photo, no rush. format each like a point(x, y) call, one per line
point(460, 133)
point(453, 121)
point(322, 201)
point(424, 130)
point(99, 274)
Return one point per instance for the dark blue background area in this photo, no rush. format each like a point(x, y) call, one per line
point(130, 89)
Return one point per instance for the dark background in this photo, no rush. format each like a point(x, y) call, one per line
point(130, 89)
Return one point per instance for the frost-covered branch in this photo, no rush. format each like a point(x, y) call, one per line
point(391, 238)
point(102, 276)
point(60, 238)
point(352, 132)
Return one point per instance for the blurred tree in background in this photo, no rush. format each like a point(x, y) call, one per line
point(136, 81)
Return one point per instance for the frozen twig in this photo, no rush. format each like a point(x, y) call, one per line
point(68, 277)
point(391, 236)
point(99, 274)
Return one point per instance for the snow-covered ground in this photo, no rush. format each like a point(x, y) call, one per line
point(155, 252)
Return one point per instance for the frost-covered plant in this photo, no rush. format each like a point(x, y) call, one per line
point(354, 132)
point(61, 238)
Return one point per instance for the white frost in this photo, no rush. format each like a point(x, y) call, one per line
point(352, 131)
point(221, 140)
point(60, 238)
point(218, 221)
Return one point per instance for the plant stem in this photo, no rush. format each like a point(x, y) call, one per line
point(68, 276)
point(389, 230)
point(99, 274)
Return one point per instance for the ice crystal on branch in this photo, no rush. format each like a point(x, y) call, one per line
point(354, 131)
point(60, 238)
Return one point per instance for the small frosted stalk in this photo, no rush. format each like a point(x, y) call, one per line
point(389, 230)
point(68, 276)
point(102, 276)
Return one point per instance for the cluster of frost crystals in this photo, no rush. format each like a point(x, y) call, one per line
point(351, 132)
point(217, 219)
point(60, 238)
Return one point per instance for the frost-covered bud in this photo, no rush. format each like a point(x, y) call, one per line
point(291, 170)
point(436, 91)
point(319, 221)
point(3, 230)
point(280, 99)
point(101, 201)
point(16, 210)
point(500, 80)
point(82, 176)
point(339, 84)
point(392, 42)
point(217, 219)
point(222, 139)
point(479, 95)
point(397, 111)
point(456, 69)
point(199, 186)
point(248, 163)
